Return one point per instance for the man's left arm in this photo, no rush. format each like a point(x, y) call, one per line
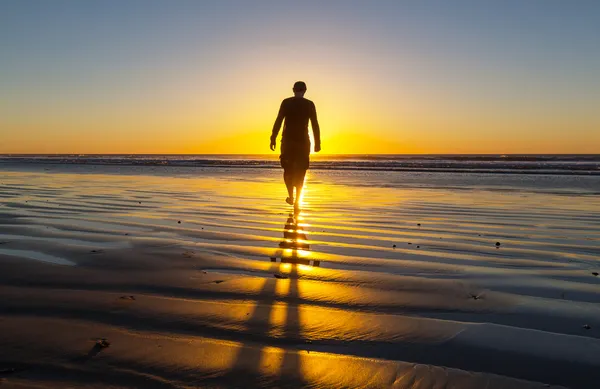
point(315, 127)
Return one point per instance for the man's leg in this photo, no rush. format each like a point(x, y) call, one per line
point(299, 184)
point(288, 173)
point(288, 178)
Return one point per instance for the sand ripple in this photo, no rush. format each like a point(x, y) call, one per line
point(212, 279)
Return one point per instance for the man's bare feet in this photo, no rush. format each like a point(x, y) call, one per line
point(289, 200)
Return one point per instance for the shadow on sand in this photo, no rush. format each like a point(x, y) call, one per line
point(260, 365)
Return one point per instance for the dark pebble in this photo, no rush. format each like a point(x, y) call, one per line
point(497, 244)
point(418, 246)
point(218, 281)
point(409, 243)
point(102, 343)
point(280, 276)
point(394, 246)
point(419, 224)
point(587, 327)
point(179, 222)
point(595, 273)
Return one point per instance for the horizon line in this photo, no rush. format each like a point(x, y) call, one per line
point(277, 154)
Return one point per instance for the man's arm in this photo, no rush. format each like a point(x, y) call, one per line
point(277, 126)
point(315, 127)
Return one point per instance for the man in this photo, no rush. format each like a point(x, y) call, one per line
point(295, 143)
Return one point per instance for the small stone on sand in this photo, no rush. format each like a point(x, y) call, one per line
point(587, 326)
point(127, 297)
point(179, 222)
point(280, 276)
point(497, 244)
point(394, 246)
point(418, 246)
point(102, 343)
point(595, 273)
point(218, 281)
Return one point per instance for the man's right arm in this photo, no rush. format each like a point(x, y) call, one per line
point(278, 122)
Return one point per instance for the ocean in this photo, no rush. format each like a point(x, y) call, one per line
point(578, 164)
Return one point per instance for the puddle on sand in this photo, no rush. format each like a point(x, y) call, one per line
point(38, 256)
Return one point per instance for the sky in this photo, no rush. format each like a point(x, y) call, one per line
point(463, 76)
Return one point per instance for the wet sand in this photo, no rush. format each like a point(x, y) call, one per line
point(206, 278)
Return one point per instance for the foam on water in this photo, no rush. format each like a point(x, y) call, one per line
point(524, 164)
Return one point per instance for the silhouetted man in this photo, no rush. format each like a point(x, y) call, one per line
point(295, 143)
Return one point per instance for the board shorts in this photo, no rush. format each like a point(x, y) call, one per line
point(295, 155)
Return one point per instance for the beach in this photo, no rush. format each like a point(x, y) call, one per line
point(174, 276)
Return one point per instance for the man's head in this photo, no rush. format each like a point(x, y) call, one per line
point(299, 88)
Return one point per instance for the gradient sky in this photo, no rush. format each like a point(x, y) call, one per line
point(146, 76)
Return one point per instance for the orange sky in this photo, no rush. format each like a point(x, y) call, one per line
point(385, 79)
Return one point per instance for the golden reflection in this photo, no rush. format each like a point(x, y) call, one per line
point(277, 312)
point(305, 268)
point(271, 359)
point(295, 244)
point(277, 319)
point(282, 287)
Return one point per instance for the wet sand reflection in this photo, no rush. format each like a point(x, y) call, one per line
point(261, 366)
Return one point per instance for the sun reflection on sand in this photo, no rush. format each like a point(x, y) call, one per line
point(280, 304)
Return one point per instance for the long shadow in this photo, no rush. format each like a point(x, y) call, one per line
point(245, 370)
